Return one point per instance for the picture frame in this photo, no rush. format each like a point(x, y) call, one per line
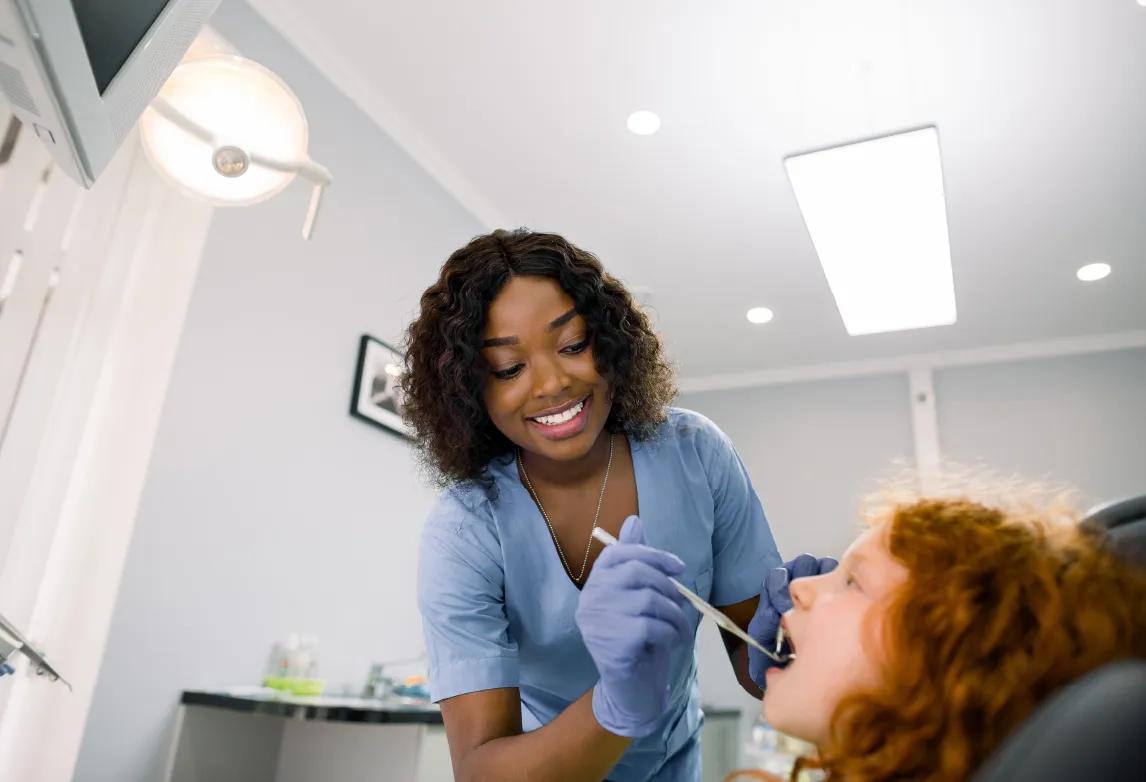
point(377, 397)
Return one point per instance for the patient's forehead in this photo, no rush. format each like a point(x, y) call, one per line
point(871, 562)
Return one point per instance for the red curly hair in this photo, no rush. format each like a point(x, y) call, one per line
point(1000, 609)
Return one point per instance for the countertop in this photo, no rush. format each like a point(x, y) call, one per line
point(340, 708)
point(323, 707)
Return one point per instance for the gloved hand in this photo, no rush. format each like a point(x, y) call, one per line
point(631, 618)
point(774, 602)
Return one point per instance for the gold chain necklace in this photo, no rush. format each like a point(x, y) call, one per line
point(548, 523)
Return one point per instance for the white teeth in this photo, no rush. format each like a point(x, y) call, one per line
point(560, 418)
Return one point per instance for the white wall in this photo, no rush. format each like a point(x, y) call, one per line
point(1076, 419)
point(815, 448)
point(268, 509)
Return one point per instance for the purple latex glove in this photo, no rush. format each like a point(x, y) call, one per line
point(631, 618)
point(774, 602)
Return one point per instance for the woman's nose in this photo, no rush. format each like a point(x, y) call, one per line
point(549, 378)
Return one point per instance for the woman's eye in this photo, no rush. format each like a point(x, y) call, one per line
point(851, 582)
point(577, 347)
point(508, 374)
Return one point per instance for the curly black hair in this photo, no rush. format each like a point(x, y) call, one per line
point(445, 372)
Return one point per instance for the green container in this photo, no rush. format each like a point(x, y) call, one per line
point(295, 685)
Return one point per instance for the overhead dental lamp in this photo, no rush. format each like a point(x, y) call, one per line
point(227, 130)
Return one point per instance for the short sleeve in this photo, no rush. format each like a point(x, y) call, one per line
point(461, 596)
point(743, 548)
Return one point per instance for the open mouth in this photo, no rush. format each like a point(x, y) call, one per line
point(562, 416)
point(787, 645)
point(566, 421)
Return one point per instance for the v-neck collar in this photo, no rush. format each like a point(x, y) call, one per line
point(533, 517)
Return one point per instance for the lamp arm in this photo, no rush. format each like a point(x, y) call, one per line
point(306, 168)
point(173, 115)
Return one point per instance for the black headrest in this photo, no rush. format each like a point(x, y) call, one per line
point(1124, 522)
point(1095, 728)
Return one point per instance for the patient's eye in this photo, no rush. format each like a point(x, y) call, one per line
point(850, 582)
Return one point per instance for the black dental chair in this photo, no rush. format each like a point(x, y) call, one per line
point(1094, 729)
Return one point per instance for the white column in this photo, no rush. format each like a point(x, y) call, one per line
point(925, 428)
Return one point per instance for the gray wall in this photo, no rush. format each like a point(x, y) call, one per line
point(267, 508)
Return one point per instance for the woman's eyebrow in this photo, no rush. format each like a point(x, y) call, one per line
point(561, 320)
point(556, 323)
point(497, 342)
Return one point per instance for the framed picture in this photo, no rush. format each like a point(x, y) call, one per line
point(377, 396)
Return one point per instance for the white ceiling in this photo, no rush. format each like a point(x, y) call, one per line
point(519, 109)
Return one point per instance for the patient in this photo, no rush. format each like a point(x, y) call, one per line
point(947, 622)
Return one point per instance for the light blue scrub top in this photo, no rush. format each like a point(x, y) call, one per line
point(497, 606)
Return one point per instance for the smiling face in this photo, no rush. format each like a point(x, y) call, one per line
point(835, 630)
point(543, 390)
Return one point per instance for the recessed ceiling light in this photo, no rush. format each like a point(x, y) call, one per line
point(1094, 271)
point(878, 220)
point(760, 315)
point(644, 123)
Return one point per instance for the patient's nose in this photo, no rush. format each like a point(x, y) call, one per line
point(803, 592)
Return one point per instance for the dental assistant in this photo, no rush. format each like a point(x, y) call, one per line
point(539, 396)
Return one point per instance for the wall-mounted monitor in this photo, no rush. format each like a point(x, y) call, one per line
point(80, 72)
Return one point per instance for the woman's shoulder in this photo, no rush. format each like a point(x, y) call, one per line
point(462, 504)
point(473, 503)
point(683, 425)
point(461, 528)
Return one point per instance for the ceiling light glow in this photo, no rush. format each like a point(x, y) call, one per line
point(760, 315)
point(1094, 271)
point(877, 216)
point(644, 123)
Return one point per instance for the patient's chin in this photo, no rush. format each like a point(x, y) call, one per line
point(790, 713)
point(777, 712)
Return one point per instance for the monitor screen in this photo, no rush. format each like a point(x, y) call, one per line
point(111, 30)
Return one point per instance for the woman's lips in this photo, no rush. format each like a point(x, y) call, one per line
point(563, 431)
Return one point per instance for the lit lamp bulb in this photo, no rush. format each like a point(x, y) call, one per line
point(229, 131)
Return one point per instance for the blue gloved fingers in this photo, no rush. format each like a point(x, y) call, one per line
point(776, 600)
point(652, 604)
point(775, 590)
point(802, 566)
point(635, 574)
point(631, 621)
point(646, 601)
point(619, 553)
point(649, 593)
point(632, 531)
point(763, 628)
point(660, 633)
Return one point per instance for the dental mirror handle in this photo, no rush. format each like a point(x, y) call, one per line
point(701, 605)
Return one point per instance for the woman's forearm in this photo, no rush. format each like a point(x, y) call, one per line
point(738, 656)
point(571, 746)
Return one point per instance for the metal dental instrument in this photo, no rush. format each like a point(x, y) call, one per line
point(12, 641)
point(716, 615)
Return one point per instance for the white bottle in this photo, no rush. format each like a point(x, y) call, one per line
point(308, 664)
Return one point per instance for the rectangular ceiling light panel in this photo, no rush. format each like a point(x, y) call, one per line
point(878, 219)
